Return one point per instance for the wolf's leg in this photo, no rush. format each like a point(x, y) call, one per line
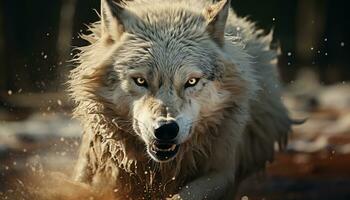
point(213, 186)
point(82, 171)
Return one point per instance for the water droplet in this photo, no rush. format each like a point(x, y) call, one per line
point(342, 44)
point(273, 19)
point(326, 54)
point(9, 92)
point(312, 48)
point(59, 102)
point(289, 53)
point(326, 39)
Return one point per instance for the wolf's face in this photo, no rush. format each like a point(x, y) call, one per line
point(168, 88)
point(165, 71)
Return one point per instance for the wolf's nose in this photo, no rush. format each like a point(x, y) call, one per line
point(167, 131)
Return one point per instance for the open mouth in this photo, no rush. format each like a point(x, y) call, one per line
point(163, 151)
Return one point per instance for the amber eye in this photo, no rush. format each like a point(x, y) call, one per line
point(191, 82)
point(140, 82)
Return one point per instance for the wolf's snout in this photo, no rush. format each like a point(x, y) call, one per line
point(166, 131)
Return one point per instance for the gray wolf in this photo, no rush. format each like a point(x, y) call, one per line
point(178, 99)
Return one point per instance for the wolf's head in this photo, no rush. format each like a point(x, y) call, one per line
point(165, 68)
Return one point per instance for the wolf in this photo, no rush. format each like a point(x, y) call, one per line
point(178, 99)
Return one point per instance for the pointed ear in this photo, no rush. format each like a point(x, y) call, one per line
point(111, 19)
point(216, 16)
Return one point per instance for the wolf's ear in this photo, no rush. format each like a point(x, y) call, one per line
point(111, 19)
point(216, 16)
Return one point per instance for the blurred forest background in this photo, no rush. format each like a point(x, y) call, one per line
point(36, 38)
point(37, 133)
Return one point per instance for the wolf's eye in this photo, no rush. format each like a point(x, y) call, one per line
point(191, 82)
point(140, 82)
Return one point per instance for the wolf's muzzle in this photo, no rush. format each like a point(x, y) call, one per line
point(164, 146)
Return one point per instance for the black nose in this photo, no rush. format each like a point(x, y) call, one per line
point(167, 131)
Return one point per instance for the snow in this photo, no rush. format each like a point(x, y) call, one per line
point(39, 127)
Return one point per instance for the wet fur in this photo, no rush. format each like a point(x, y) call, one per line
point(231, 140)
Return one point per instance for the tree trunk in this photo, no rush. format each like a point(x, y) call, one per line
point(65, 37)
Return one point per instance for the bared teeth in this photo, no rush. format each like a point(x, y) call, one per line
point(172, 148)
point(155, 148)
